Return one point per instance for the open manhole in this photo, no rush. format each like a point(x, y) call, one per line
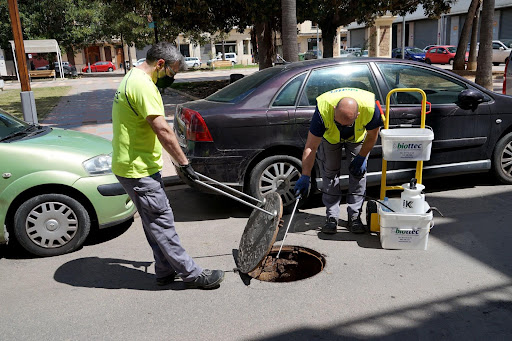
point(257, 255)
point(294, 263)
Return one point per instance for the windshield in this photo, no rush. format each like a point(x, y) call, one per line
point(414, 50)
point(243, 87)
point(10, 124)
point(452, 49)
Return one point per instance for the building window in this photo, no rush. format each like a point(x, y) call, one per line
point(246, 47)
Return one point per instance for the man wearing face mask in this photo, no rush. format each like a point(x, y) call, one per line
point(344, 118)
point(140, 132)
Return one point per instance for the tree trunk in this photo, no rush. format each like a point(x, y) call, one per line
point(474, 41)
point(459, 60)
point(328, 34)
point(265, 46)
point(254, 44)
point(289, 30)
point(484, 60)
point(223, 50)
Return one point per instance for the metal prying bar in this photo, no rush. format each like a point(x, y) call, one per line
point(273, 214)
point(230, 188)
point(289, 223)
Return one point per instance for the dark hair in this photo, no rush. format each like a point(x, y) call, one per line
point(166, 51)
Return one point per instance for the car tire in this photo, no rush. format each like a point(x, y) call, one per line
point(233, 63)
point(502, 159)
point(51, 224)
point(195, 65)
point(276, 174)
point(496, 64)
point(428, 61)
point(110, 69)
point(450, 61)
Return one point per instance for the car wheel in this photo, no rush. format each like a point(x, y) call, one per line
point(233, 63)
point(450, 61)
point(276, 174)
point(51, 224)
point(110, 69)
point(428, 61)
point(195, 65)
point(502, 159)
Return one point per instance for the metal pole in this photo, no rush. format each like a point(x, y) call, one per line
point(273, 214)
point(289, 223)
point(27, 96)
point(403, 38)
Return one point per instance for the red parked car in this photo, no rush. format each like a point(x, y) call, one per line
point(100, 67)
point(444, 54)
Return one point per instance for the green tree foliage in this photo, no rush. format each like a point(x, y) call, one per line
point(330, 14)
point(73, 24)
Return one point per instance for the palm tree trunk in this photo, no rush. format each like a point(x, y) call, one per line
point(459, 60)
point(484, 60)
point(265, 46)
point(474, 42)
point(289, 30)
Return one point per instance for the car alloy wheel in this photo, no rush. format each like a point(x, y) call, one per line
point(276, 174)
point(110, 69)
point(502, 159)
point(51, 224)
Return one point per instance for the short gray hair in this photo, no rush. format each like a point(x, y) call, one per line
point(166, 51)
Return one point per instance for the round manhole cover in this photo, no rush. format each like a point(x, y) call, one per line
point(260, 233)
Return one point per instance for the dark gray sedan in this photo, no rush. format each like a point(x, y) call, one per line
point(251, 134)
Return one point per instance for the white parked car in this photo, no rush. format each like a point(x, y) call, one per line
point(500, 52)
point(192, 61)
point(345, 54)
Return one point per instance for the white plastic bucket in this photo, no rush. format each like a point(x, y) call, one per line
point(406, 144)
point(404, 231)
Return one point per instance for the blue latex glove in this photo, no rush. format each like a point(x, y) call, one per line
point(358, 166)
point(302, 185)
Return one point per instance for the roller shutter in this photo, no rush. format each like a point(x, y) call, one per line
point(425, 33)
point(357, 38)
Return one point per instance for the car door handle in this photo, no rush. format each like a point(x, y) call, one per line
point(407, 115)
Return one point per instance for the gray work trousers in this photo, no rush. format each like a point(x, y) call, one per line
point(158, 222)
point(329, 157)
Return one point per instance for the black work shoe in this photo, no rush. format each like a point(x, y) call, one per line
point(356, 226)
point(208, 279)
point(330, 226)
point(167, 279)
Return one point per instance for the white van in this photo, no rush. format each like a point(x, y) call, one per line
point(231, 56)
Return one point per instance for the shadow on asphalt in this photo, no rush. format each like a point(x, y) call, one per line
point(477, 315)
point(110, 273)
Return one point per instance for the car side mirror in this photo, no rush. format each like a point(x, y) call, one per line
point(501, 48)
point(469, 99)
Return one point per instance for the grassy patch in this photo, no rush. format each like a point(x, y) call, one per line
point(46, 99)
point(200, 89)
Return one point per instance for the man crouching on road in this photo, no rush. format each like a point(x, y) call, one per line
point(140, 131)
point(349, 118)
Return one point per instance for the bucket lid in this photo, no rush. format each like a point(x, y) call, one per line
point(260, 233)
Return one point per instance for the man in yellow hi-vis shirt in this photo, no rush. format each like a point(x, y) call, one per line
point(344, 118)
point(140, 131)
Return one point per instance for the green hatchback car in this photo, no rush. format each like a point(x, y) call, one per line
point(55, 185)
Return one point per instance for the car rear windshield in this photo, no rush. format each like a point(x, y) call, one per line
point(240, 89)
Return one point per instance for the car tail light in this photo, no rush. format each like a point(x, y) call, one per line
point(195, 126)
point(504, 91)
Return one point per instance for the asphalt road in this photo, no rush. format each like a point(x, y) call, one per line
point(460, 288)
